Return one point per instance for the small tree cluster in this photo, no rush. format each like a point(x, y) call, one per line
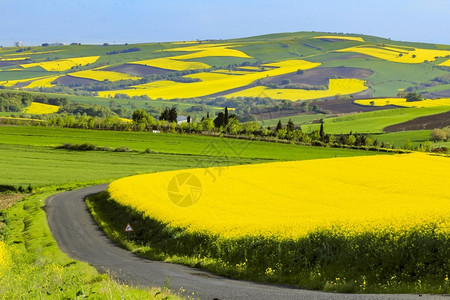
point(438, 134)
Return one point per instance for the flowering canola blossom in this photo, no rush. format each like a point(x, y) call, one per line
point(288, 200)
point(4, 257)
point(402, 102)
point(342, 86)
point(41, 108)
point(63, 64)
point(210, 82)
point(399, 54)
point(100, 75)
point(340, 37)
point(42, 83)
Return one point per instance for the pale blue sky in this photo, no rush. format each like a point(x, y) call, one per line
point(134, 21)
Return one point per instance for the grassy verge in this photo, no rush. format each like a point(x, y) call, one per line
point(33, 267)
point(414, 261)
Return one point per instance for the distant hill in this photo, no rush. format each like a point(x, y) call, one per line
point(237, 67)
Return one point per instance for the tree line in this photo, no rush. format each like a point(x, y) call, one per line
point(224, 124)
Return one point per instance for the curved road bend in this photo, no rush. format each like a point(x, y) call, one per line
point(79, 236)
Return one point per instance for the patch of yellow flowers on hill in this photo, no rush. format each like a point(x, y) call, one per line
point(4, 257)
point(63, 64)
point(341, 37)
point(341, 86)
point(100, 75)
point(41, 108)
point(399, 54)
point(403, 103)
point(210, 82)
point(288, 200)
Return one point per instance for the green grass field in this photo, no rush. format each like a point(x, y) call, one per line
point(28, 152)
point(38, 269)
point(373, 122)
point(416, 137)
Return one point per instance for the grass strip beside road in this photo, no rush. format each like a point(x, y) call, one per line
point(38, 269)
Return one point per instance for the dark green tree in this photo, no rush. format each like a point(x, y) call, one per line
point(411, 97)
point(279, 126)
point(321, 132)
point(225, 120)
point(219, 120)
point(173, 115)
point(290, 126)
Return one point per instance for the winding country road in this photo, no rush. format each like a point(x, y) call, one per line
point(78, 235)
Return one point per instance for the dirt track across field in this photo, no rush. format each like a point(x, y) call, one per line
point(78, 235)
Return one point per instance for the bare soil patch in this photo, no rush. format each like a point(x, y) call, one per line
point(71, 81)
point(320, 76)
point(22, 84)
point(138, 70)
point(346, 106)
point(8, 200)
point(6, 64)
point(436, 95)
point(10, 63)
point(427, 122)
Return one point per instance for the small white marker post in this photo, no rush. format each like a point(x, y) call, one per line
point(129, 229)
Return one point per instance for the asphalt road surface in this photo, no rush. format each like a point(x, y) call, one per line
point(79, 236)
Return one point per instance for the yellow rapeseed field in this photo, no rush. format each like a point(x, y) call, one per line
point(288, 200)
point(399, 54)
point(445, 63)
point(41, 108)
point(14, 58)
point(172, 64)
point(344, 86)
point(11, 83)
point(402, 102)
point(340, 37)
point(212, 82)
point(214, 51)
point(63, 64)
point(4, 257)
point(103, 75)
point(44, 82)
